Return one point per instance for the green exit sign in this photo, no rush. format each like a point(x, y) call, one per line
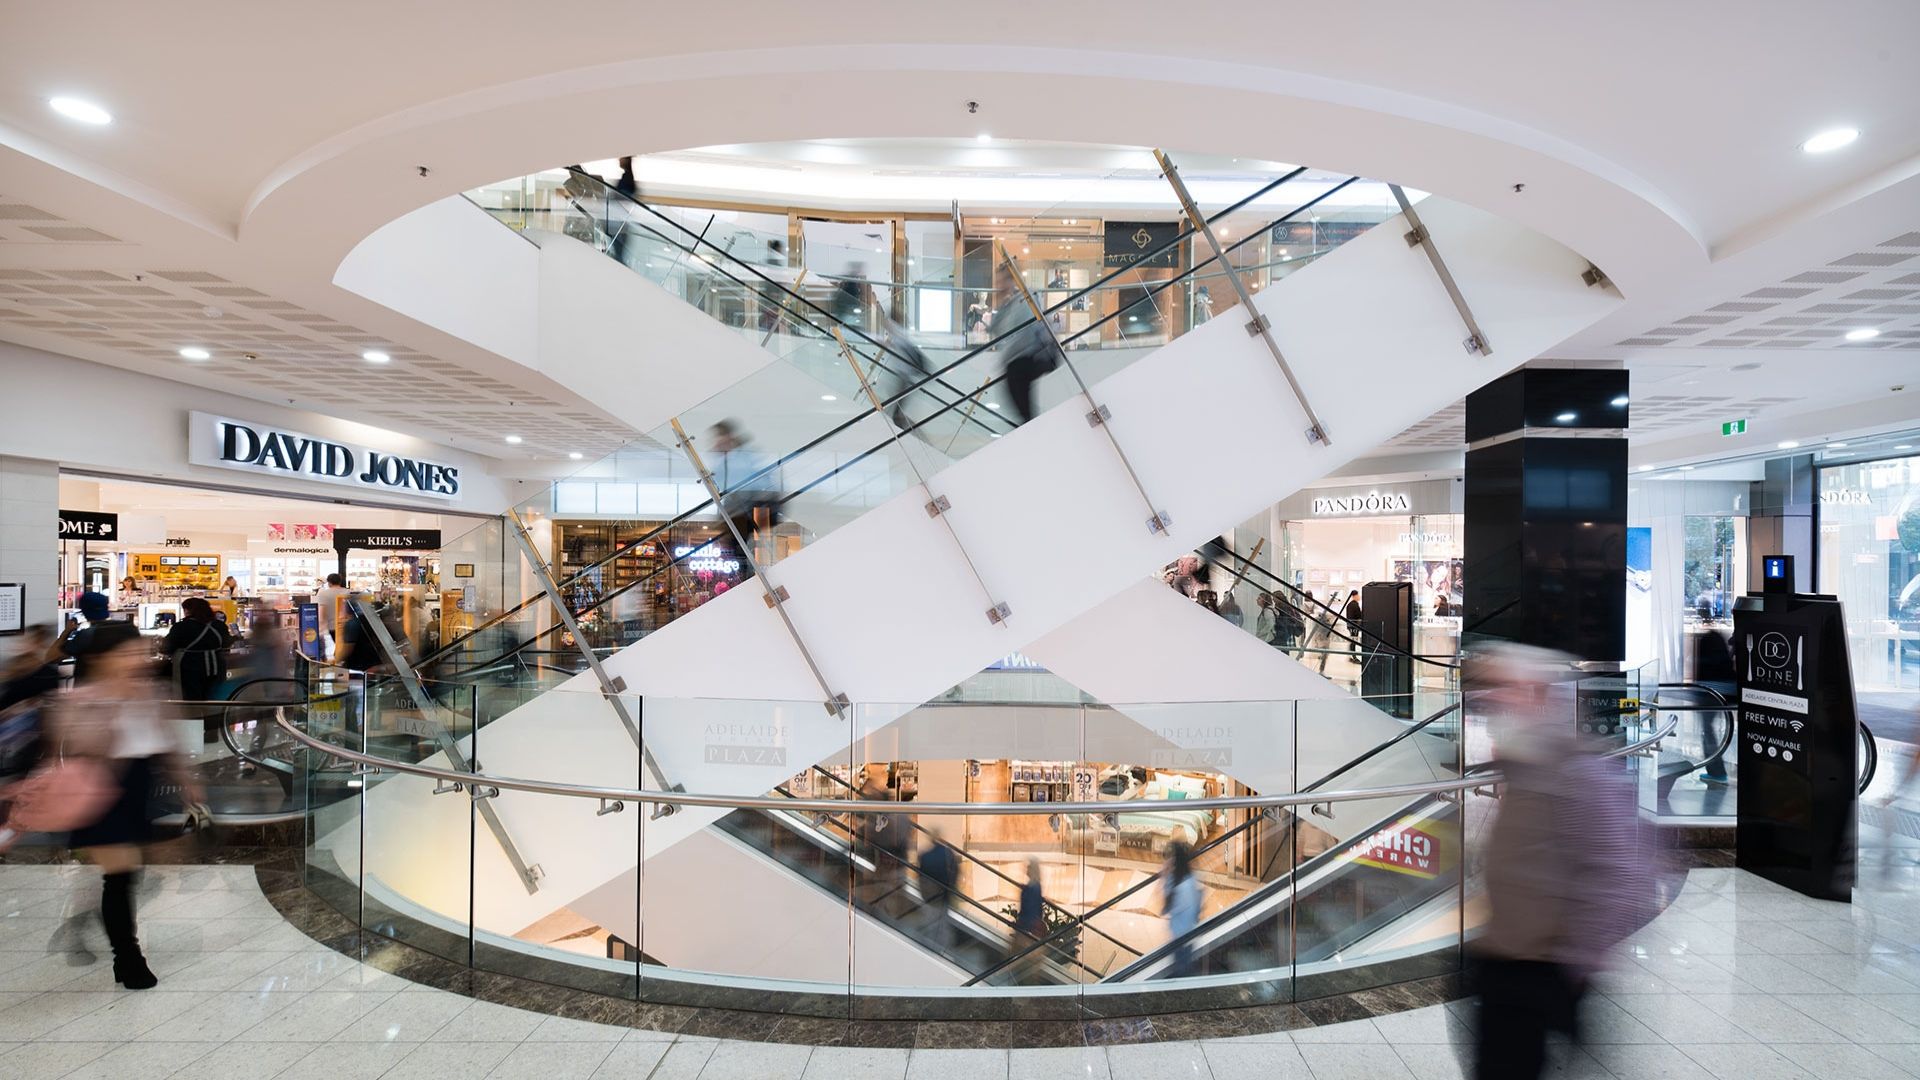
point(1734, 427)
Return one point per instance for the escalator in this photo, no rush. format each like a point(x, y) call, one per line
point(1119, 492)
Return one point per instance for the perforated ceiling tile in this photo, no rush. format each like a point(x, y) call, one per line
point(72, 234)
point(1872, 258)
point(12, 211)
point(1911, 240)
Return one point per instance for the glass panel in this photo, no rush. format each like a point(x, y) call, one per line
point(334, 792)
point(577, 924)
point(418, 845)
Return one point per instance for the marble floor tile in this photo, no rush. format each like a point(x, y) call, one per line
point(1748, 1061)
point(38, 1060)
point(881, 1063)
point(315, 1017)
point(1846, 1062)
point(404, 1018)
point(488, 1020)
point(1432, 1024)
point(756, 1061)
point(957, 1065)
point(1253, 1061)
point(626, 1060)
point(1334, 1061)
point(438, 1061)
point(553, 1061)
point(144, 1060)
point(683, 1060)
point(1649, 1062)
point(346, 1061)
point(247, 1061)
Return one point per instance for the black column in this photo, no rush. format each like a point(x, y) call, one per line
point(1546, 511)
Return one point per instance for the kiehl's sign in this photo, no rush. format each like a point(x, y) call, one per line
point(258, 448)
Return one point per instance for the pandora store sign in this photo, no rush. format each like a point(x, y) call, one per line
point(1373, 502)
point(258, 448)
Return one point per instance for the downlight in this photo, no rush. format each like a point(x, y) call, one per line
point(1830, 140)
point(375, 356)
point(195, 352)
point(85, 112)
point(1865, 333)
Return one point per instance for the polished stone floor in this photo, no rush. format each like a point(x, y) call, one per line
point(1737, 979)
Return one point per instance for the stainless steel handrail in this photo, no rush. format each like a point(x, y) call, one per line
point(604, 795)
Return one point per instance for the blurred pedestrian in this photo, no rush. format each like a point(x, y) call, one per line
point(197, 644)
point(102, 632)
point(1028, 349)
point(939, 876)
point(1180, 902)
point(1564, 879)
point(1713, 668)
point(1320, 631)
point(1352, 616)
point(1265, 626)
point(120, 718)
point(27, 678)
point(748, 484)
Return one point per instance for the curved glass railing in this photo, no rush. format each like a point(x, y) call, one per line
point(790, 464)
point(827, 895)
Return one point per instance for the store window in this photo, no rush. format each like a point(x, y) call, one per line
point(1869, 556)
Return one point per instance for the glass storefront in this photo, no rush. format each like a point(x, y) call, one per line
point(1869, 557)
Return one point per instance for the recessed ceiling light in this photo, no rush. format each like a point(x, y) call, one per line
point(1865, 333)
point(84, 111)
point(575, 456)
point(1838, 446)
point(1904, 446)
point(983, 137)
point(1686, 468)
point(828, 397)
point(1786, 444)
point(1567, 417)
point(195, 352)
point(1830, 140)
point(1646, 468)
point(515, 440)
point(375, 356)
point(1619, 402)
point(993, 404)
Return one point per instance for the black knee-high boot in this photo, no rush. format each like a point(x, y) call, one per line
point(116, 912)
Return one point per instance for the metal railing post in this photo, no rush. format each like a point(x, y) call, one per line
point(937, 506)
point(1098, 415)
point(610, 687)
point(1418, 236)
point(1258, 325)
point(776, 596)
point(528, 873)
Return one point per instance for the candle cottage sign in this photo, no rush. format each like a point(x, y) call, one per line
point(260, 448)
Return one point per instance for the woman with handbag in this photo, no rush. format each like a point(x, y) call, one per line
point(117, 723)
point(198, 645)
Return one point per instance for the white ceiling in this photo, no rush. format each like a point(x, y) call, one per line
point(258, 143)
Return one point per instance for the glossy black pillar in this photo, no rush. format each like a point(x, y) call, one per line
point(1546, 512)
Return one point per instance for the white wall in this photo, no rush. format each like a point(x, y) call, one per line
point(87, 415)
point(29, 532)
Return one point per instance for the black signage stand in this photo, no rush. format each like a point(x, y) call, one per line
point(1797, 743)
point(1386, 619)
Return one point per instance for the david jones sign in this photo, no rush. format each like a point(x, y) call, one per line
point(258, 448)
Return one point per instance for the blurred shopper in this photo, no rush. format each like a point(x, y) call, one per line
point(27, 678)
point(747, 484)
point(1230, 610)
point(120, 719)
point(1031, 916)
point(1180, 902)
point(1713, 668)
point(1028, 349)
point(939, 876)
point(198, 645)
point(1564, 878)
point(1266, 626)
point(1289, 625)
point(907, 369)
point(99, 635)
point(230, 588)
point(1320, 632)
point(331, 599)
point(851, 296)
point(1351, 614)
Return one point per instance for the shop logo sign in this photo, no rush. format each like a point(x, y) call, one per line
point(1775, 651)
point(1373, 502)
point(237, 444)
point(1845, 497)
point(88, 525)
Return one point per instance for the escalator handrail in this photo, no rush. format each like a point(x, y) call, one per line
point(1333, 619)
point(1872, 756)
point(1256, 819)
point(1149, 290)
point(968, 856)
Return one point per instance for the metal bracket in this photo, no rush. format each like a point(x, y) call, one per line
point(478, 792)
point(1417, 235)
point(609, 806)
point(445, 788)
point(839, 705)
point(777, 596)
point(1259, 326)
point(1316, 435)
point(536, 873)
point(661, 810)
point(940, 505)
point(365, 770)
point(1321, 809)
point(1477, 345)
point(998, 613)
point(1099, 416)
point(1160, 522)
point(617, 684)
point(1593, 275)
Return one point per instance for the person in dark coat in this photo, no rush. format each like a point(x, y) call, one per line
point(99, 635)
point(198, 646)
point(939, 876)
point(1713, 667)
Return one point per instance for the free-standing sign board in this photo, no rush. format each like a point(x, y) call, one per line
point(1797, 745)
point(13, 607)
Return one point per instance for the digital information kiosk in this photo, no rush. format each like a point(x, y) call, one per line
point(1796, 738)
